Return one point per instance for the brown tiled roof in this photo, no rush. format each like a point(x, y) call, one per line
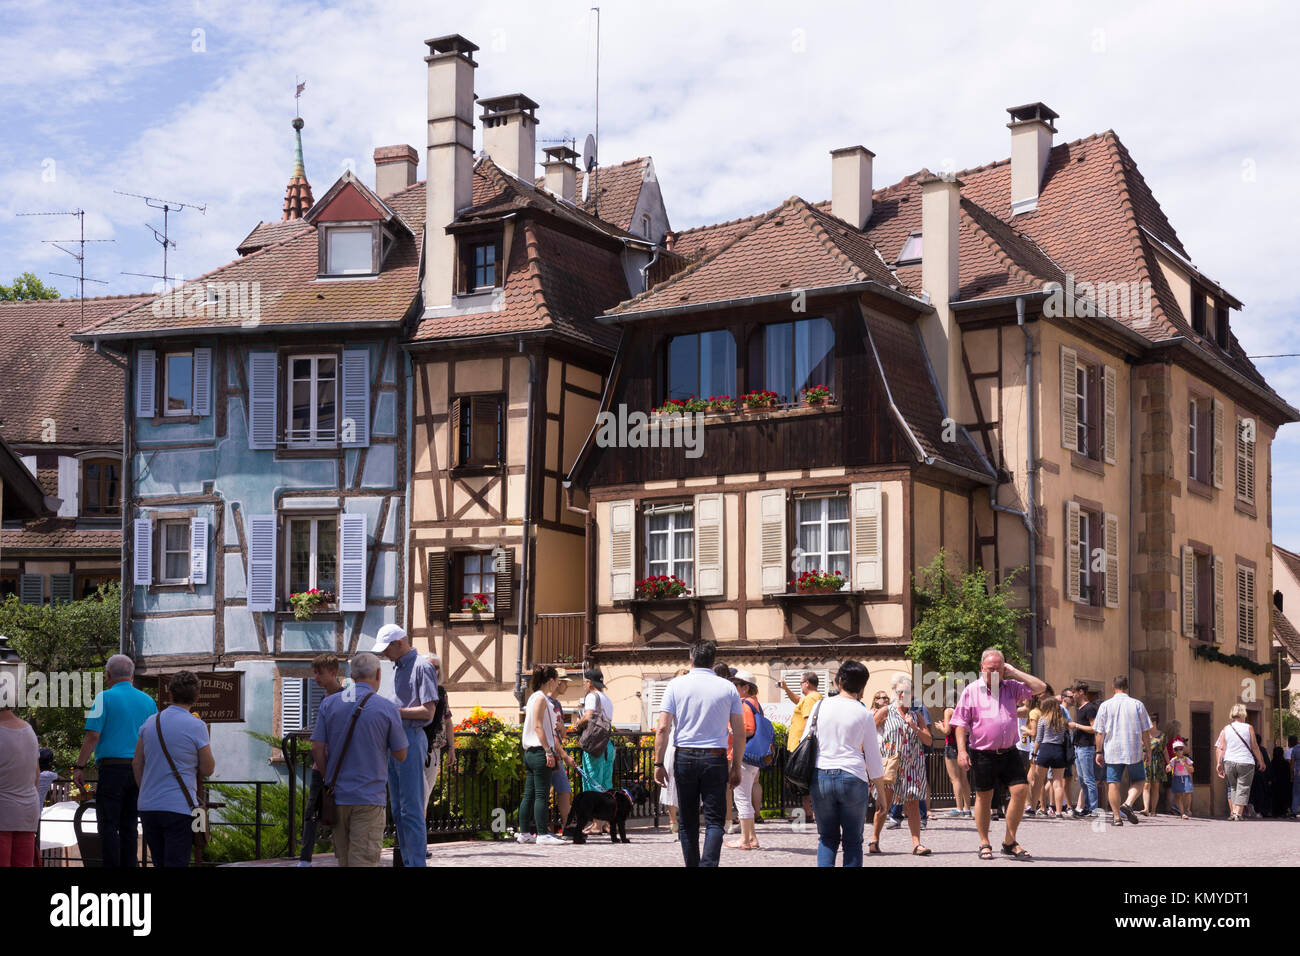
point(1286, 633)
point(46, 376)
point(269, 233)
point(698, 242)
point(616, 191)
point(58, 534)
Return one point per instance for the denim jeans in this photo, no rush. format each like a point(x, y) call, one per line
point(406, 796)
point(700, 778)
point(169, 836)
point(115, 815)
point(840, 802)
point(309, 817)
point(1085, 766)
point(896, 811)
point(533, 816)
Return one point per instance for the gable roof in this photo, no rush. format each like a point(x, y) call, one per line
point(614, 193)
point(358, 201)
point(1286, 635)
point(267, 233)
point(20, 495)
point(1290, 560)
point(47, 377)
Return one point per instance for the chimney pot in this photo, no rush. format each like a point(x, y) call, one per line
point(561, 173)
point(449, 167)
point(510, 134)
point(940, 237)
point(394, 168)
point(851, 184)
point(1031, 146)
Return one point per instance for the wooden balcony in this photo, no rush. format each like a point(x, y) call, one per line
point(559, 638)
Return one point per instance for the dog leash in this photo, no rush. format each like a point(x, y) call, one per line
point(587, 781)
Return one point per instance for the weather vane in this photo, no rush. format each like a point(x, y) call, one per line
point(297, 94)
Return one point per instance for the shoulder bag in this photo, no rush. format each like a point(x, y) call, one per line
point(327, 811)
point(201, 833)
point(802, 765)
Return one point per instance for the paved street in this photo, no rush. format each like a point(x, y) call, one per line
point(1160, 841)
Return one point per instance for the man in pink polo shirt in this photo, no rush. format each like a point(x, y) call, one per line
point(986, 730)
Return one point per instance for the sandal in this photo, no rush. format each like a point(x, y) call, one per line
point(738, 846)
point(1186, 817)
point(919, 850)
point(1016, 850)
point(1117, 822)
point(873, 844)
point(986, 851)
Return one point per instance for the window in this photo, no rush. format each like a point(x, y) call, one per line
point(1245, 608)
point(100, 488)
point(479, 261)
point(1221, 325)
point(1193, 418)
point(1203, 597)
point(349, 250)
point(702, 364)
point(88, 585)
point(173, 552)
point(670, 541)
point(1200, 439)
point(178, 383)
point(478, 423)
point(312, 560)
point(787, 357)
point(911, 249)
point(1202, 747)
point(475, 576)
point(1088, 593)
point(1198, 312)
point(8, 584)
point(823, 533)
point(313, 397)
point(645, 225)
point(1246, 459)
point(1082, 404)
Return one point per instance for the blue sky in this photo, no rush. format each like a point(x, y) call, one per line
point(738, 103)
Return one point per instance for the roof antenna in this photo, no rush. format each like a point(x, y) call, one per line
point(592, 160)
point(167, 206)
point(79, 255)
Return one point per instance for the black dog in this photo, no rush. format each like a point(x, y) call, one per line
point(612, 806)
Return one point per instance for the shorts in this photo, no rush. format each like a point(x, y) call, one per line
point(992, 767)
point(950, 751)
point(1181, 784)
point(1051, 756)
point(560, 781)
point(1026, 759)
point(1137, 772)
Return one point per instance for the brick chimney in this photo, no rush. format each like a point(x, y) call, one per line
point(940, 231)
point(449, 168)
point(510, 134)
point(1031, 144)
point(851, 184)
point(561, 173)
point(394, 168)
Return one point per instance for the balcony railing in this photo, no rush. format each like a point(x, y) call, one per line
point(559, 638)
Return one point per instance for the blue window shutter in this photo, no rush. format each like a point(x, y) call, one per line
point(31, 588)
point(261, 562)
point(315, 694)
point(143, 562)
point(352, 579)
point(60, 588)
point(146, 377)
point(202, 403)
point(198, 551)
point(262, 390)
point(356, 398)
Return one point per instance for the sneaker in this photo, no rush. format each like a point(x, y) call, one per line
point(969, 814)
point(955, 814)
point(526, 838)
point(892, 824)
point(1030, 812)
point(549, 839)
point(304, 862)
point(925, 821)
point(1079, 814)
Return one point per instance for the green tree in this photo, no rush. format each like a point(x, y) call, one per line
point(960, 615)
point(27, 286)
point(70, 637)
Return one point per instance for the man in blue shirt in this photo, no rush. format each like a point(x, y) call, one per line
point(416, 689)
point(359, 785)
point(704, 708)
point(112, 727)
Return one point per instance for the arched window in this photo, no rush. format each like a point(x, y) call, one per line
point(101, 488)
point(702, 364)
point(787, 357)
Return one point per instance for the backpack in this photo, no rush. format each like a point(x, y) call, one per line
point(758, 749)
point(434, 730)
point(595, 736)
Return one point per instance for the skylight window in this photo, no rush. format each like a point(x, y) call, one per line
point(911, 249)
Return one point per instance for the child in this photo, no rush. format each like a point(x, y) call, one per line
point(1181, 767)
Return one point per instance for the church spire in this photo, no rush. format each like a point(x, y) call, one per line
point(297, 195)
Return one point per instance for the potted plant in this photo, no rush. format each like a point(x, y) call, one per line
point(819, 582)
point(759, 399)
point(673, 406)
point(722, 403)
point(474, 603)
point(817, 395)
point(305, 603)
point(659, 586)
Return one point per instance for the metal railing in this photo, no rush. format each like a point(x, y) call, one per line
point(558, 638)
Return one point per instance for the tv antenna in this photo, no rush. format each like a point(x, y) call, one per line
point(589, 156)
point(79, 255)
point(168, 206)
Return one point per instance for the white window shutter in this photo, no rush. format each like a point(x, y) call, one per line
point(794, 681)
point(146, 378)
point(1069, 411)
point(352, 576)
point(69, 486)
point(709, 546)
point(1218, 415)
point(261, 562)
point(262, 391)
point(202, 403)
point(1189, 591)
point(771, 533)
point(198, 551)
point(1219, 606)
point(868, 566)
point(1110, 399)
point(1111, 533)
point(143, 561)
point(355, 429)
point(654, 698)
point(1072, 566)
point(1245, 463)
point(622, 534)
point(291, 716)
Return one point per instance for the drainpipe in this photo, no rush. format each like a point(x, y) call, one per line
point(588, 569)
point(645, 270)
point(525, 609)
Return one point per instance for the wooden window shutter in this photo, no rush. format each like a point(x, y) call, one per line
point(1218, 416)
point(1111, 534)
point(867, 559)
point(1219, 606)
point(198, 551)
point(355, 422)
point(143, 559)
point(710, 542)
point(352, 566)
point(1110, 399)
point(653, 693)
point(61, 588)
point(1245, 608)
point(504, 600)
point(483, 446)
point(453, 422)
point(771, 532)
point(262, 377)
point(261, 562)
point(1069, 411)
point(435, 586)
point(315, 694)
point(1189, 591)
point(291, 716)
point(622, 561)
point(201, 401)
point(31, 588)
point(146, 383)
point(1245, 463)
point(1072, 566)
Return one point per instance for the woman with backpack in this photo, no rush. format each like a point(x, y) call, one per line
point(744, 793)
point(597, 710)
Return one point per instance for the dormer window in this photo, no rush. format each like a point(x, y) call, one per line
point(480, 264)
point(350, 250)
point(1198, 312)
point(1221, 325)
point(911, 249)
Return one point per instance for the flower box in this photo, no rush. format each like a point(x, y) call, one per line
point(306, 603)
point(817, 395)
point(819, 582)
point(759, 400)
point(658, 587)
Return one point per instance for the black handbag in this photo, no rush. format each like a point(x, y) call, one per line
point(802, 765)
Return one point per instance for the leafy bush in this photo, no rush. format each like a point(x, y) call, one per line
point(960, 615)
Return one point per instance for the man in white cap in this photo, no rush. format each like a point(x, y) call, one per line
point(415, 687)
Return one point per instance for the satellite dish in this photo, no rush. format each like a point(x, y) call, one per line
point(589, 153)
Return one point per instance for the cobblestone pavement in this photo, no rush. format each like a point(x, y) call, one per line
point(1158, 841)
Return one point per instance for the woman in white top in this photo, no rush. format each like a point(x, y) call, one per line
point(597, 771)
point(542, 754)
point(848, 758)
point(1236, 757)
point(20, 811)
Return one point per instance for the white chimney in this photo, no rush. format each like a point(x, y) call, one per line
point(510, 134)
point(561, 173)
point(1031, 145)
point(851, 184)
point(449, 169)
point(940, 233)
point(394, 169)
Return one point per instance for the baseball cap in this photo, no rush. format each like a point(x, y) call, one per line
point(388, 634)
